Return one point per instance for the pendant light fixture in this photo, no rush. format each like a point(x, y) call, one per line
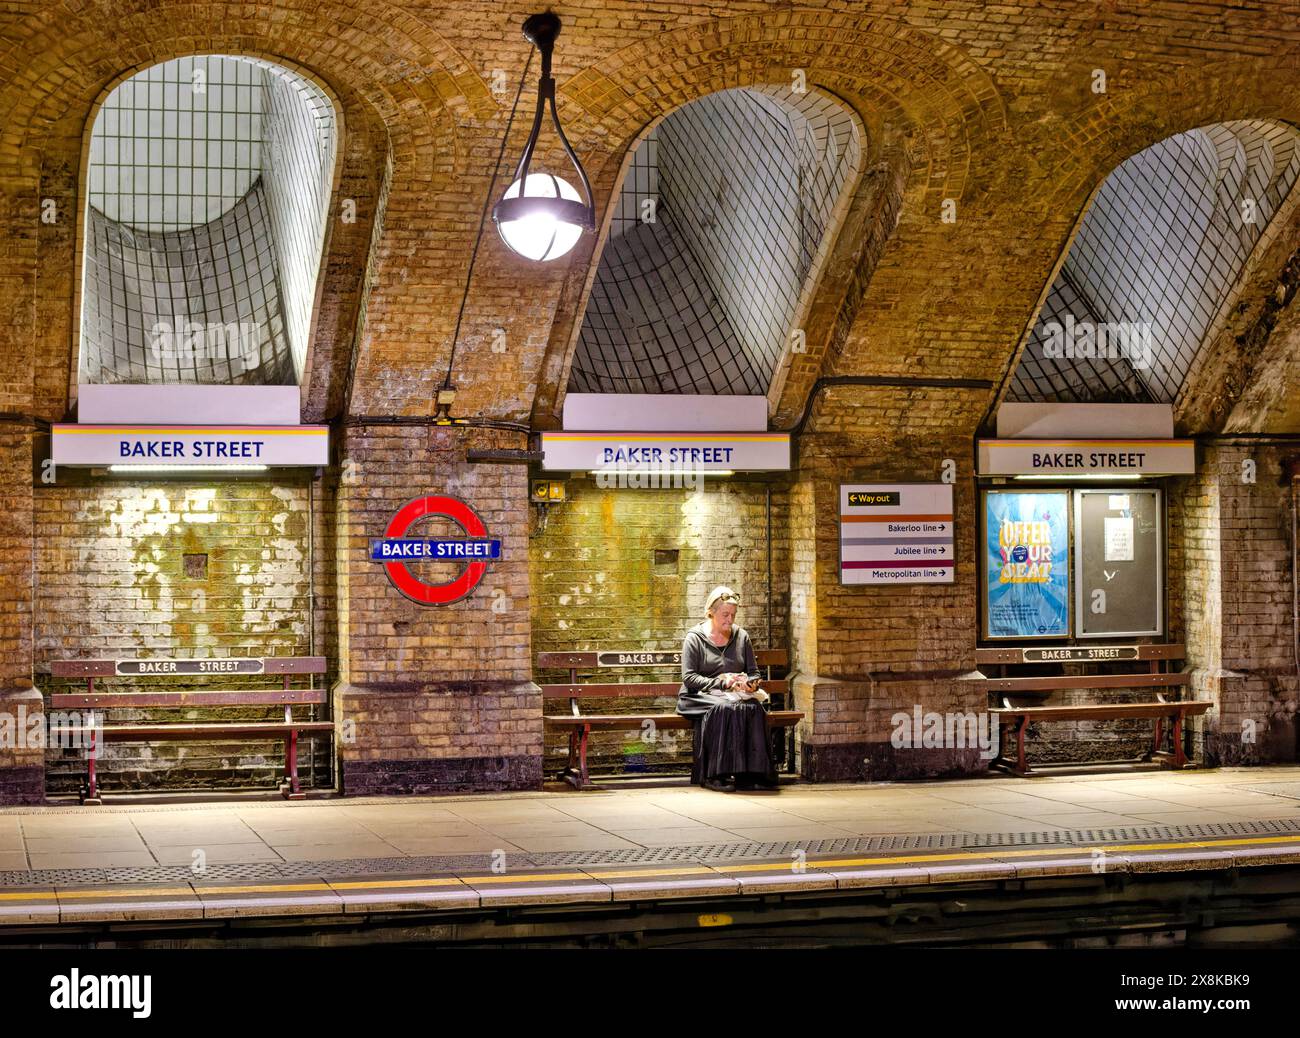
point(542, 216)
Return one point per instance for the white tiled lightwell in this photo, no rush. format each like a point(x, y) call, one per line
point(725, 214)
point(1157, 255)
point(208, 184)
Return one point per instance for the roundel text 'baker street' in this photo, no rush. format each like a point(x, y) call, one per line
point(395, 549)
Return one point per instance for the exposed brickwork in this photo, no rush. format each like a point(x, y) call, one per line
point(423, 683)
point(22, 778)
point(111, 584)
point(596, 584)
point(988, 106)
point(1239, 559)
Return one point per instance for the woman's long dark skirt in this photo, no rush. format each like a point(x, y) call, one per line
point(731, 739)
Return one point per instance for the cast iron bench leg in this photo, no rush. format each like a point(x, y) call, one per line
point(294, 790)
point(1180, 758)
point(576, 772)
point(571, 765)
point(92, 780)
point(1022, 768)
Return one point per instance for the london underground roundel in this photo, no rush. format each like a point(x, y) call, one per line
point(397, 548)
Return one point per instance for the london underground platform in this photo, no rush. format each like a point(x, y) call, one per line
point(1207, 858)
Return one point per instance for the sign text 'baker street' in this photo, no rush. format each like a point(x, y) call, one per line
point(450, 549)
point(229, 665)
point(1086, 457)
point(655, 451)
point(190, 445)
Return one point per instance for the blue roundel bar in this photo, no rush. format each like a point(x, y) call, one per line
point(453, 549)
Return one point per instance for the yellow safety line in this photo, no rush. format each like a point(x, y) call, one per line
point(722, 870)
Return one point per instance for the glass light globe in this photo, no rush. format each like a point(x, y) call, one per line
point(541, 235)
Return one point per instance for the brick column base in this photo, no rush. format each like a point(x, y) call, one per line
point(22, 759)
point(1255, 722)
point(894, 727)
point(438, 737)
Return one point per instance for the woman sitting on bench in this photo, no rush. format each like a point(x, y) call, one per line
point(720, 695)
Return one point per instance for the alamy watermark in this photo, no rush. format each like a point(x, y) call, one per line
point(929, 730)
point(1117, 340)
point(66, 730)
point(237, 342)
point(632, 477)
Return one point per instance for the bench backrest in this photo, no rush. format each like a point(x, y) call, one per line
point(610, 659)
point(190, 668)
point(286, 667)
point(1014, 655)
point(1156, 659)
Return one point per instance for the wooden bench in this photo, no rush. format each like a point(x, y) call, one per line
point(579, 725)
point(1014, 714)
point(90, 730)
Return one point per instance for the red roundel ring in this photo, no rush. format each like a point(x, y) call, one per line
point(400, 574)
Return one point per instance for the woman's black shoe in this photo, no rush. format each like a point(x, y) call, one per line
point(756, 781)
point(719, 785)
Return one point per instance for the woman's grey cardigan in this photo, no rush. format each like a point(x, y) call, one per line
point(704, 663)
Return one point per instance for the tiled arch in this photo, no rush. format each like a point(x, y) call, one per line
point(1160, 248)
point(208, 181)
point(744, 187)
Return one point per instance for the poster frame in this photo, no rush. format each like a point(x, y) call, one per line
point(1077, 525)
point(982, 505)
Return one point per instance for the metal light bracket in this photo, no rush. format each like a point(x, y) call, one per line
point(541, 31)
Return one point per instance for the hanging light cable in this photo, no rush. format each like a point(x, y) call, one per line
point(542, 216)
point(446, 395)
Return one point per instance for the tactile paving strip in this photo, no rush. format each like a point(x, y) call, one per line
point(708, 853)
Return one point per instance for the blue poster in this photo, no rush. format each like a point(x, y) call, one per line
point(1027, 564)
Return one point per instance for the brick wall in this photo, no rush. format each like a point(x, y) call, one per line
point(626, 568)
point(1239, 559)
point(173, 569)
point(865, 653)
point(22, 777)
point(433, 698)
point(1015, 139)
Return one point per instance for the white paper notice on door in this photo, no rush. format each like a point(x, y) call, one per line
point(1119, 539)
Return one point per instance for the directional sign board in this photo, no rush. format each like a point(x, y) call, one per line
point(896, 533)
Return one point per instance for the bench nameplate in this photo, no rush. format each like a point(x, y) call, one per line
point(1081, 654)
point(638, 659)
point(207, 666)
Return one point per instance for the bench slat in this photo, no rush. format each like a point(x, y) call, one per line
point(1012, 655)
point(631, 689)
point(1102, 712)
point(108, 668)
point(179, 700)
point(565, 660)
point(1051, 684)
point(775, 719)
point(253, 729)
point(294, 665)
point(83, 668)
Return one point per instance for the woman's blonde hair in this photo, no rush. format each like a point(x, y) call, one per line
point(718, 595)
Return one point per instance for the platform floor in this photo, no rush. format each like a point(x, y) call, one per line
point(175, 858)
